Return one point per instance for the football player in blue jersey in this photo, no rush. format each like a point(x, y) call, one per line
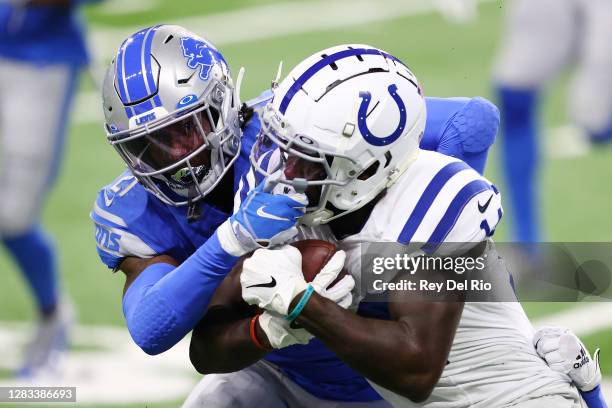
point(172, 114)
point(42, 51)
point(351, 142)
point(168, 222)
point(541, 39)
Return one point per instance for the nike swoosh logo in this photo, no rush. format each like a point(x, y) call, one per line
point(260, 211)
point(483, 208)
point(108, 200)
point(270, 284)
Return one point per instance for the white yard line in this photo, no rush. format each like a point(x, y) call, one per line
point(583, 320)
point(109, 369)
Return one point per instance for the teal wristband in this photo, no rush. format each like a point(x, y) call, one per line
point(301, 304)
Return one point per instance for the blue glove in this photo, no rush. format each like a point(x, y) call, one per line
point(265, 219)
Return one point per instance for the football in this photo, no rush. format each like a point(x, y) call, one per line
point(315, 254)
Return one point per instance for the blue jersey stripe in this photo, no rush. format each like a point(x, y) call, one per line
point(319, 65)
point(245, 189)
point(105, 222)
point(427, 198)
point(453, 212)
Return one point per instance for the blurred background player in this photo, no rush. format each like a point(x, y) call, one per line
point(42, 50)
point(541, 39)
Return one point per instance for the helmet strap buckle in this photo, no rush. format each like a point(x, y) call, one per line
point(194, 212)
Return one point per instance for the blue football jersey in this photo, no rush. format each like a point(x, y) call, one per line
point(42, 34)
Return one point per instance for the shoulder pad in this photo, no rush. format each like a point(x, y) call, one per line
point(127, 222)
point(476, 124)
point(453, 203)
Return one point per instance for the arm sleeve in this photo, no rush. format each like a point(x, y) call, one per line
point(594, 398)
point(164, 303)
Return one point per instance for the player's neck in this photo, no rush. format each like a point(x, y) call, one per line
point(222, 196)
point(353, 223)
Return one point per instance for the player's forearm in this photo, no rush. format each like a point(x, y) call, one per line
point(385, 352)
point(224, 347)
point(161, 311)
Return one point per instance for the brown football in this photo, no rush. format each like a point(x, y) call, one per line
point(315, 254)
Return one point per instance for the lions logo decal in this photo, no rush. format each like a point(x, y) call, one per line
point(199, 54)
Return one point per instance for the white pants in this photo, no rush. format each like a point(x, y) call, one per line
point(261, 385)
point(34, 105)
point(543, 36)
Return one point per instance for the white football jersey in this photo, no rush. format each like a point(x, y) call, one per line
point(492, 362)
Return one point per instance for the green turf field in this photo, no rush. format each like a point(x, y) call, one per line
point(450, 60)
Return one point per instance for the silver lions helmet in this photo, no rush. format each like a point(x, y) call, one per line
point(171, 112)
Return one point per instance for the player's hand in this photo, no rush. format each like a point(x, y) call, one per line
point(266, 220)
point(279, 333)
point(271, 278)
point(342, 291)
point(565, 353)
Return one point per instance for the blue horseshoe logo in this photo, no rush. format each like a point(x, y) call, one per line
point(363, 126)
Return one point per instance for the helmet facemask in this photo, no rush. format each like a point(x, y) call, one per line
point(171, 112)
point(296, 163)
point(182, 156)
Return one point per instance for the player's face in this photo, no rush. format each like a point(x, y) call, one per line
point(297, 167)
point(167, 146)
point(177, 141)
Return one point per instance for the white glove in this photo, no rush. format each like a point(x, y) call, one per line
point(279, 333)
point(341, 292)
point(565, 353)
point(271, 278)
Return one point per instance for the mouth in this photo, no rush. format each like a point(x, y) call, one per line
point(184, 177)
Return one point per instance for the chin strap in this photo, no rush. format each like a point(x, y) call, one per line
point(194, 212)
point(238, 86)
point(278, 75)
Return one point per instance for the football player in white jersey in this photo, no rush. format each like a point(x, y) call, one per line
point(349, 138)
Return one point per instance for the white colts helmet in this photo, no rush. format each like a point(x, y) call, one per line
point(354, 111)
point(172, 112)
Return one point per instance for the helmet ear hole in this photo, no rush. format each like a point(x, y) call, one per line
point(214, 113)
point(388, 158)
point(369, 172)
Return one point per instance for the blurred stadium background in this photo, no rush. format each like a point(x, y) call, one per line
point(450, 59)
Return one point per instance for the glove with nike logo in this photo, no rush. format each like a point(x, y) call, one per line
point(271, 279)
point(265, 219)
point(565, 353)
point(279, 333)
